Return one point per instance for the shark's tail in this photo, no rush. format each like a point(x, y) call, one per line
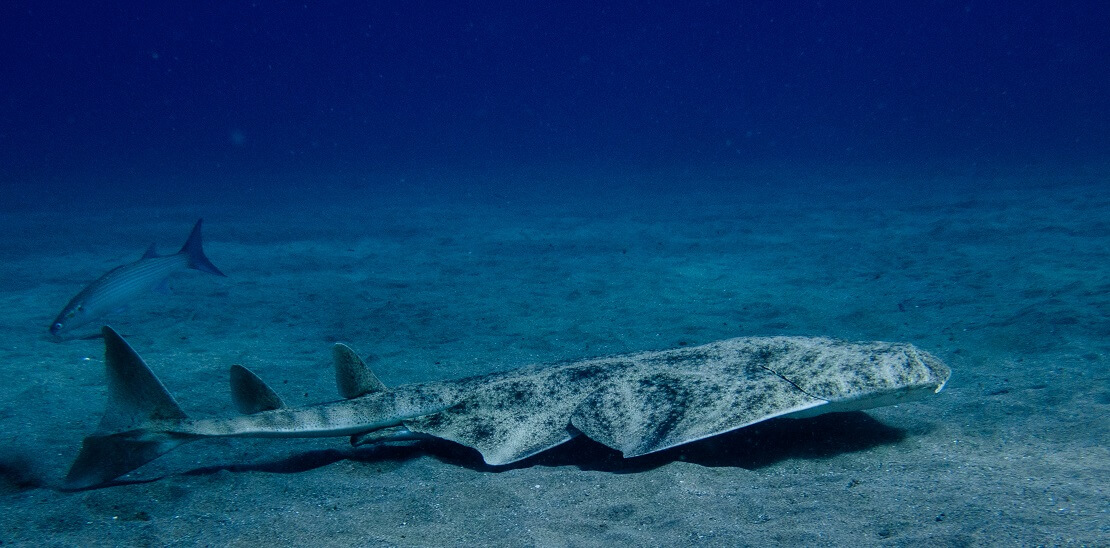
point(123, 441)
point(142, 421)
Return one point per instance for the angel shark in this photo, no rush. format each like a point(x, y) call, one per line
point(636, 403)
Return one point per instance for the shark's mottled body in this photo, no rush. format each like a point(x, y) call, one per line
point(636, 403)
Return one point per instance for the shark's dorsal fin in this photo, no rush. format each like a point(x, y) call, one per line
point(251, 394)
point(135, 395)
point(352, 377)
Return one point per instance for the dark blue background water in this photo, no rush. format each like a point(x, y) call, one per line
point(213, 92)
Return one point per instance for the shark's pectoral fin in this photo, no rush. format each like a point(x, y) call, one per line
point(503, 432)
point(655, 411)
point(251, 394)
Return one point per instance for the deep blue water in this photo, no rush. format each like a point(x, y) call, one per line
point(154, 95)
point(460, 187)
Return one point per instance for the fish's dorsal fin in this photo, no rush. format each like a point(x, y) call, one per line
point(352, 377)
point(251, 394)
point(151, 252)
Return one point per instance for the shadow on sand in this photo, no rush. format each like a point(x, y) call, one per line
point(751, 448)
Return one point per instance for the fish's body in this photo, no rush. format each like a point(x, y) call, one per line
point(635, 403)
point(121, 285)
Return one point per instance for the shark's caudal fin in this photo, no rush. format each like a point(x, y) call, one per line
point(135, 398)
point(194, 250)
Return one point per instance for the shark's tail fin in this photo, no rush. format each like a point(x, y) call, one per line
point(194, 250)
point(122, 442)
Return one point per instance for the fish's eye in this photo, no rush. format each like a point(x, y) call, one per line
point(58, 326)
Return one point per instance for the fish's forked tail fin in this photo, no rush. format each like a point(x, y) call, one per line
point(122, 442)
point(194, 250)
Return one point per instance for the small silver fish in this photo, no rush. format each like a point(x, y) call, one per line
point(120, 285)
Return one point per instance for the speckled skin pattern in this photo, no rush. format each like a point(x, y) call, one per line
point(646, 402)
point(636, 403)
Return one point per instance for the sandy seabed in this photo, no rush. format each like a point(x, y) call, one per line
point(1007, 281)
